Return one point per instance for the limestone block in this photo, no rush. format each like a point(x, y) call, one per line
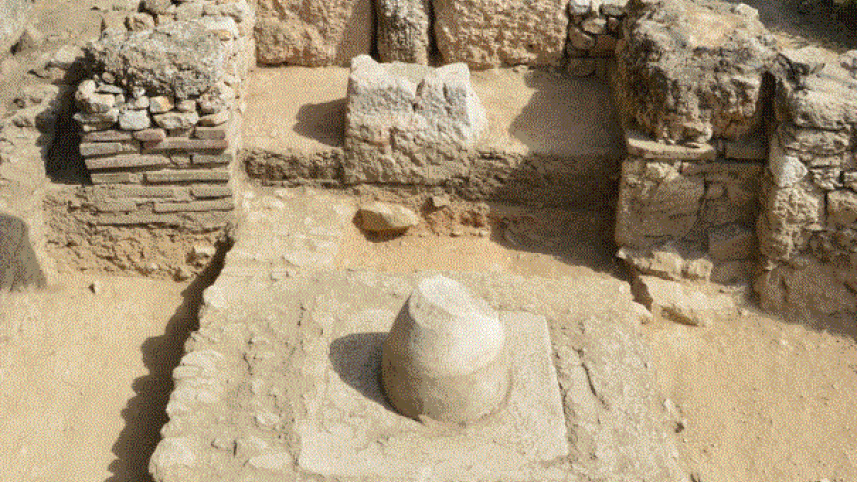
point(445, 356)
point(176, 120)
point(683, 303)
point(785, 170)
point(407, 123)
point(404, 30)
point(491, 33)
point(178, 59)
point(381, 217)
point(134, 120)
point(314, 33)
point(689, 71)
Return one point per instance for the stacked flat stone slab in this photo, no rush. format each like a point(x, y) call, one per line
point(491, 33)
point(593, 33)
point(808, 228)
point(160, 119)
point(409, 124)
point(313, 33)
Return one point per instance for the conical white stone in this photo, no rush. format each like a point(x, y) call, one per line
point(444, 357)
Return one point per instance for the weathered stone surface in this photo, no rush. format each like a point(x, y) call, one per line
point(690, 71)
point(645, 147)
point(488, 33)
point(313, 33)
point(656, 201)
point(409, 124)
point(380, 217)
point(179, 59)
point(106, 136)
point(683, 303)
point(789, 216)
point(786, 170)
point(823, 101)
point(194, 206)
point(176, 120)
point(404, 30)
point(150, 135)
point(90, 101)
point(445, 356)
point(160, 104)
point(126, 161)
point(210, 191)
point(134, 120)
point(115, 177)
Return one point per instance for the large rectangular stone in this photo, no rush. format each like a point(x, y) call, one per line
point(126, 161)
point(211, 191)
point(107, 136)
point(116, 178)
point(189, 175)
point(96, 149)
point(195, 206)
point(186, 144)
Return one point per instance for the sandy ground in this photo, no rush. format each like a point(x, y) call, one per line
point(85, 377)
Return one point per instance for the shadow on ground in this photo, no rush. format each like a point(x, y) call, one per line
point(145, 413)
point(356, 358)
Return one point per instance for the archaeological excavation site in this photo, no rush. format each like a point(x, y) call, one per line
point(428, 240)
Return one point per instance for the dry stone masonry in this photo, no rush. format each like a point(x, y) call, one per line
point(160, 119)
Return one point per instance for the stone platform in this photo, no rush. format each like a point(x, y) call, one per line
point(550, 137)
point(280, 381)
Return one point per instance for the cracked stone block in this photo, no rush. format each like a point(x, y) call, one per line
point(407, 123)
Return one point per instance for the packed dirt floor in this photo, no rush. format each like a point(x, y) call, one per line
point(85, 365)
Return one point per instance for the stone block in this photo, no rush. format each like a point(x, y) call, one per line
point(210, 132)
point(188, 175)
point(195, 206)
point(106, 136)
point(215, 119)
point(160, 104)
point(404, 30)
point(204, 192)
point(97, 121)
point(186, 144)
point(147, 191)
point(211, 159)
point(409, 124)
point(150, 135)
point(126, 161)
point(315, 34)
point(115, 177)
point(96, 149)
point(176, 120)
point(488, 33)
point(378, 217)
point(683, 303)
point(134, 120)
